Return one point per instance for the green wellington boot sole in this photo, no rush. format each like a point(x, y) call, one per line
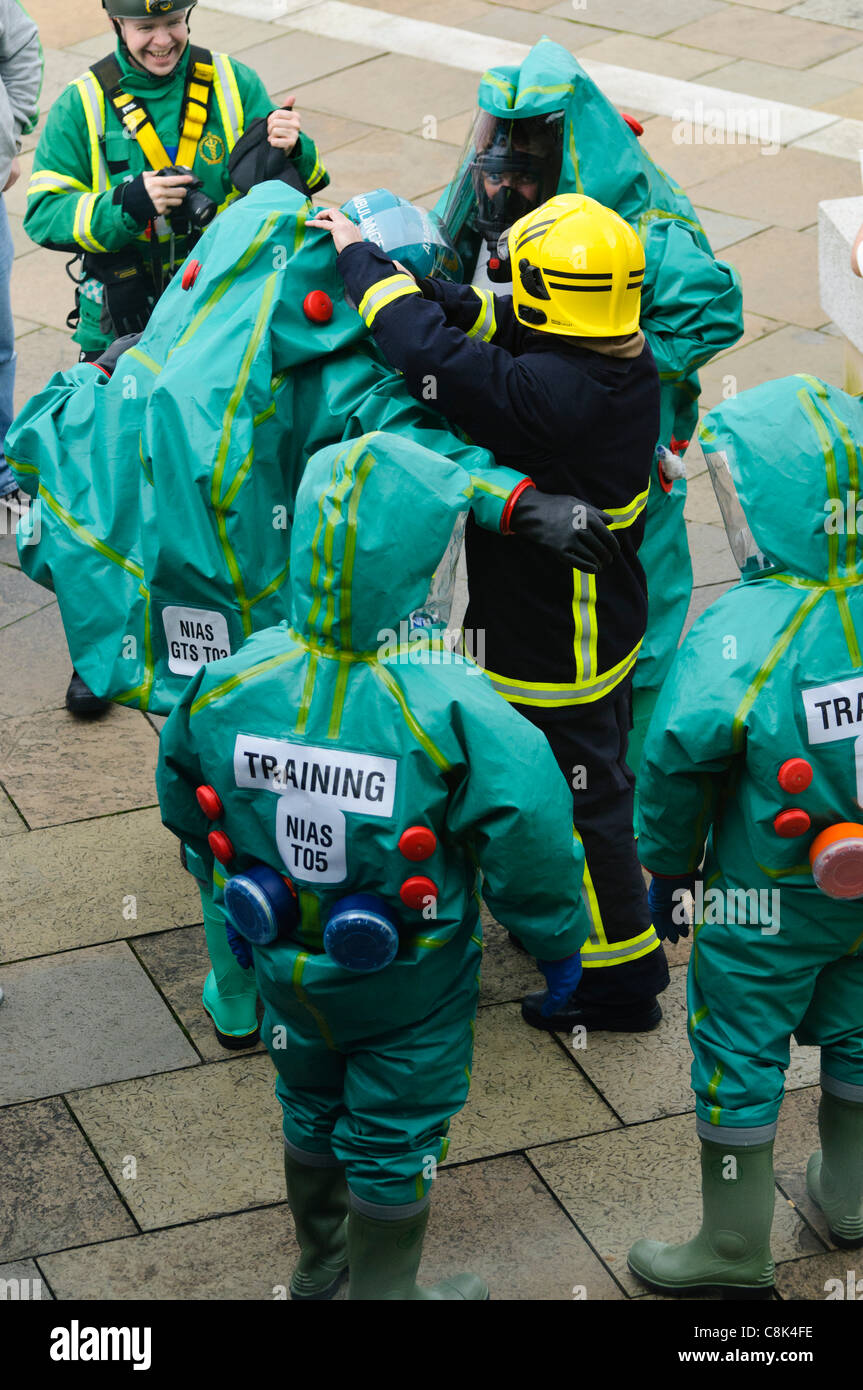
point(323, 1295)
point(234, 1042)
point(843, 1242)
point(747, 1293)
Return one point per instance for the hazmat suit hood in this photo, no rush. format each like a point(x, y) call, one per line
point(792, 450)
point(373, 519)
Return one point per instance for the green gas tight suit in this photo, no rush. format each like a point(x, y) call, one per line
point(84, 155)
point(749, 703)
point(371, 1067)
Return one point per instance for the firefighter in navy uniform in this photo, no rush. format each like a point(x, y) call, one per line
point(137, 157)
point(559, 383)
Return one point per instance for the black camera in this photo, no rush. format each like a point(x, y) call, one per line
point(196, 210)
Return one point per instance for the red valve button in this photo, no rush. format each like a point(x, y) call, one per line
point(418, 842)
point(190, 274)
point(633, 124)
point(791, 823)
point(209, 802)
point(494, 263)
point(221, 846)
point(794, 775)
point(318, 307)
point(415, 892)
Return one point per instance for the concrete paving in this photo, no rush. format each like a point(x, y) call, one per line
point(137, 1158)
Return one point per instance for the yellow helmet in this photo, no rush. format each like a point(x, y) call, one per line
point(577, 269)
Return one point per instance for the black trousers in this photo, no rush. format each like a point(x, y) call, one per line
point(624, 960)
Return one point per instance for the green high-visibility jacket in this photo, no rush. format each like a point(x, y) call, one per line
point(84, 154)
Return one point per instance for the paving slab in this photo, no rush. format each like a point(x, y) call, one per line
point(445, 11)
point(95, 881)
point(20, 596)
point(392, 160)
point(523, 26)
point(844, 12)
point(808, 88)
point(766, 38)
point(690, 162)
point(41, 289)
point(45, 352)
point(524, 1089)
point(22, 1281)
point(328, 132)
point(106, 765)
point(780, 354)
point(83, 1018)
point(848, 65)
point(652, 55)
point(55, 1193)
point(507, 972)
point(779, 272)
point(723, 230)
point(296, 57)
point(645, 1180)
point(780, 190)
point(634, 17)
point(205, 1141)
point(11, 823)
point(34, 659)
point(838, 1276)
point(178, 963)
point(247, 1256)
point(701, 503)
point(60, 23)
point(849, 104)
point(453, 131)
point(712, 561)
point(394, 91)
point(499, 1220)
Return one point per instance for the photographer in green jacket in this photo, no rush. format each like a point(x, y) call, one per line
point(100, 186)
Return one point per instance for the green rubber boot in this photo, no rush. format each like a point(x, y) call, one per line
point(230, 994)
point(384, 1257)
point(731, 1252)
point(318, 1198)
point(834, 1177)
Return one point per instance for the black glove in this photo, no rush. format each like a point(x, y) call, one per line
point(574, 530)
point(254, 160)
point(108, 360)
point(136, 201)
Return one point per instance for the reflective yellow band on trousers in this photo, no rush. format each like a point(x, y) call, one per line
point(551, 695)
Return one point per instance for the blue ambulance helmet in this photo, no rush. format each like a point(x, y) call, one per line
point(407, 232)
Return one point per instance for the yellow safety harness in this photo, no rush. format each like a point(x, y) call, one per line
point(137, 120)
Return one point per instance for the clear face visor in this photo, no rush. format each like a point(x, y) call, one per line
point(506, 169)
point(749, 558)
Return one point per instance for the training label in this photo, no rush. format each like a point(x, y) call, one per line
point(315, 786)
point(834, 711)
point(195, 637)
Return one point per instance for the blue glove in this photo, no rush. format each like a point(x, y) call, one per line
point(665, 899)
point(239, 945)
point(562, 977)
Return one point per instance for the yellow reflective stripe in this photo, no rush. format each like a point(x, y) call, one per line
point(322, 528)
point(625, 516)
point(591, 902)
point(224, 285)
point(698, 1017)
point(807, 400)
point(502, 85)
point(243, 677)
point(345, 597)
point(851, 453)
point(550, 695)
point(384, 293)
point(308, 692)
point(310, 918)
point(388, 680)
point(143, 359)
point(82, 230)
point(144, 690)
point(480, 485)
point(51, 181)
point(221, 504)
point(485, 324)
point(87, 536)
point(848, 628)
point(299, 967)
point(228, 98)
point(317, 175)
point(713, 1083)
point(601, 957)
point(779, 649)
point(93, 101)
point(273, 585)
point(584, 618)
point(339, 699)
